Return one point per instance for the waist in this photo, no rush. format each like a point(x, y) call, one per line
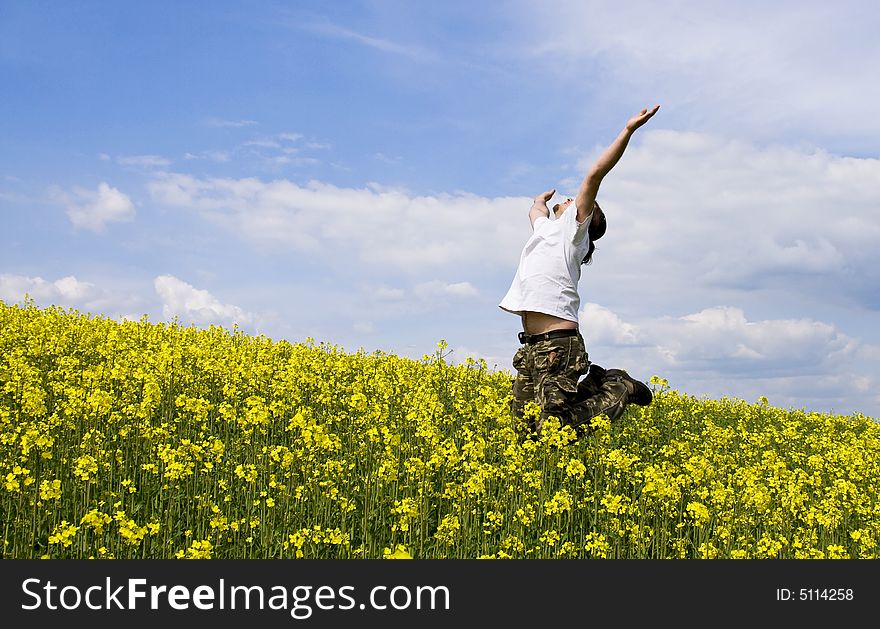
point(540, 322)
point(527, 339)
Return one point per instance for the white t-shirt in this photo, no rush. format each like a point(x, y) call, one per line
point(550, 267)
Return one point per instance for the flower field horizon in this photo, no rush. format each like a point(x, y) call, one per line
point(132, 439)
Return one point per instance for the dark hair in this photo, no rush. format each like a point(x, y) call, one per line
point(595, 231)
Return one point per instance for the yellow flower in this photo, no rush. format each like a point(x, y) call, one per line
point(247, 472)
point(698, 513)
point(96, 520)
point(399, 552)
point(575, 468)
point(85, 467)
point(561, 502)
point(50, 490)
point(198, 549)
point(448, 530)
point(63, 534)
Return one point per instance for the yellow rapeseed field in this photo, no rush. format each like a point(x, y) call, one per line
point(140, 440)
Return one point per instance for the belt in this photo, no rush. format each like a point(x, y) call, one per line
point(546, 336)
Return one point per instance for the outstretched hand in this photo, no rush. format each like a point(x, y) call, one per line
point(545, 196)
point(641, 118)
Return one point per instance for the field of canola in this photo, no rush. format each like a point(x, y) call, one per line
point(140, 440)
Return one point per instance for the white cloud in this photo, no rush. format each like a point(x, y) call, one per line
point(93, 210)
point(601, 326)
point(756, 67)
point(213, 156)
point(720, 352)
point(65, 290)
point(147, 161)
point(270, 143)
point(691, 207)
point(379, 226)
point(69, 292)
point(437, 288)
point(270, 150)
point(690, 213)
point(197, 306)
point(721, 339)
point(382, 302)
point(221, 123)
point(384, 293)
point(385, 159)
point(412, 52)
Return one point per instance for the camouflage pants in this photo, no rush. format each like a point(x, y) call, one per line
point(549, 372)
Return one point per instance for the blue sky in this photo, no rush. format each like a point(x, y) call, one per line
point(360, 173)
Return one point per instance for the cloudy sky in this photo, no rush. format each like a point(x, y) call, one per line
point(361, 172)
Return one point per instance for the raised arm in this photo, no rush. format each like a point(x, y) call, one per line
point(589, 187)
point(539, 207)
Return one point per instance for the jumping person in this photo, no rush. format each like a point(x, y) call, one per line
point(544, 294)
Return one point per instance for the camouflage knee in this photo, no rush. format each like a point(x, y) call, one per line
point(611, 400)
